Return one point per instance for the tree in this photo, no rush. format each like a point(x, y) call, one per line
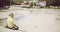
point(17, 1)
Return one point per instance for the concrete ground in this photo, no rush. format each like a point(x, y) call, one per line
point(32, 20)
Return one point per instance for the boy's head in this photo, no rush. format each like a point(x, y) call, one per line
point(12, 15)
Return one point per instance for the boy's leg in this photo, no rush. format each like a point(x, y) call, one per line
point(7, 27)
point(15, 27)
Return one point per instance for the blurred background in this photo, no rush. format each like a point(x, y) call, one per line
point(31, 3)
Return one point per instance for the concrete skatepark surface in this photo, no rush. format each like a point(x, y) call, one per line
point(32, 20)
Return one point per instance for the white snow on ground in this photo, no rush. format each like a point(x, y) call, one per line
point(34, 20)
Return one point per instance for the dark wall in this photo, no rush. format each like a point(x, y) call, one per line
point(53, 2)
point(1, 3)
point(4, 3)
point(7, 2)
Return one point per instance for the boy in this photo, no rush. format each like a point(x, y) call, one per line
point(10, 23)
